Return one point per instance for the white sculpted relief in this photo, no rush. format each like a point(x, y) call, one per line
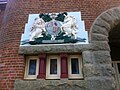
point(54, 28)
point(37, 29)
point(70, 26)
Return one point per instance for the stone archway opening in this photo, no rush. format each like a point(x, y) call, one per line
point(105, 38)
point(114, 43)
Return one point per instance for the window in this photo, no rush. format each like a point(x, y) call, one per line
point(53, 67)
point(75, 67)
point(31, 70)
point(32, 67)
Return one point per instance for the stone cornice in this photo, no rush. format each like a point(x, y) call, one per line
point(53, 48)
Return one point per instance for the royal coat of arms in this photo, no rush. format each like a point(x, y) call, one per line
point(54, 28)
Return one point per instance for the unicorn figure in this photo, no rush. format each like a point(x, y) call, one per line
point(37, 29)
point(70, 26)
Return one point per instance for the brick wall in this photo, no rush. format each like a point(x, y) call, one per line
point(16, 15)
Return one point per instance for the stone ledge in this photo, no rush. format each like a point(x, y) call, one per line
point(49, 85)
point(53, 48)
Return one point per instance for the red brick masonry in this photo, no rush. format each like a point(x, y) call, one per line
point(12, 64)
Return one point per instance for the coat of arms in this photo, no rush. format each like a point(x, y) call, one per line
point(54, 28)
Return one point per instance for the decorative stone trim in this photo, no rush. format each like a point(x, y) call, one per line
point(56, 48)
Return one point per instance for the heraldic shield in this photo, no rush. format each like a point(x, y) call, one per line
point(54, 28)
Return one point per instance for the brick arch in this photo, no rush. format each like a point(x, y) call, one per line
point(104, 23)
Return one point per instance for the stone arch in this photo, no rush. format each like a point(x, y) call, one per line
point(103, 24)
point(99, 33)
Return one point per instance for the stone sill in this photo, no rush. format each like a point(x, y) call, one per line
point(49, 85)
point(53, 48)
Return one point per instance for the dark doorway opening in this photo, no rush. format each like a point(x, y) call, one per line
point(114, 43)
